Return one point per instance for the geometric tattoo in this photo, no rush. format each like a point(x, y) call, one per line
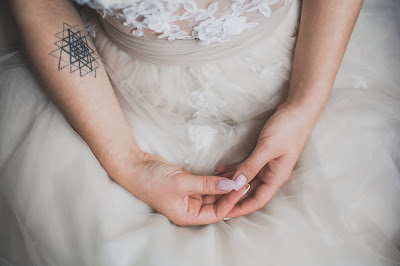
point(75, 50)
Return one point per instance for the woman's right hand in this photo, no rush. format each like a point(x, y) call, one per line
point(178, 194)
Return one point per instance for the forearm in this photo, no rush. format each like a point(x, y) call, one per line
point(325, 29)
point(76, 80)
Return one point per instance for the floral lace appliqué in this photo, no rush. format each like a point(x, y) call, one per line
point(159, 15)
point(202, 136)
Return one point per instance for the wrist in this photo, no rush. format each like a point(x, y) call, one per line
point(303, 119)
point(309, 112)
point(120, 166)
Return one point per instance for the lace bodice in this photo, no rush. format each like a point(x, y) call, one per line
point(205, 20)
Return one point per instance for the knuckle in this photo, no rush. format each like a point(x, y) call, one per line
point(217, 214)
point(251, 167)
point(265, 142)
point(274, 166)
point(207, 185)
point(259, 204)
point(268, 147)
point(180, 222)
point(273, 175)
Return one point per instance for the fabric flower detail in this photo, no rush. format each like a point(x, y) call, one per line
point(159, 24)
point(207, 13)
point(235, 26)
point(209, 31)
point(191, 10)
point(221, 30)
point(207, 103)
point(202, 136)
point(265, 9)
point(160, 15)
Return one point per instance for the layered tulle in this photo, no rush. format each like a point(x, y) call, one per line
point(340, 207)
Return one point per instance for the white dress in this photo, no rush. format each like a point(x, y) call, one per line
point(198, 98)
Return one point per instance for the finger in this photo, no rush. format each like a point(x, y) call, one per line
point(265, 191)
point(211, 199)
point(250, 167)
point(261, 195)
point(225, 168)
point(193, 184)
point(253, 186)
point(212, 213)
point(218, 197)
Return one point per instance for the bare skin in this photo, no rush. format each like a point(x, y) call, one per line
point(85, 96)
point(92, 109)
point(325, 29)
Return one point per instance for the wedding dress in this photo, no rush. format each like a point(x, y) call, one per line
point(197, 81)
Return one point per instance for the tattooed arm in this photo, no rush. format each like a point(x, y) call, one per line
point(68, 65)
point(69, 68)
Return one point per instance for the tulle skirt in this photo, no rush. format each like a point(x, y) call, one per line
point(341, 205)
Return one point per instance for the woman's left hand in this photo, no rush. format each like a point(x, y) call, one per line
point(270, 164)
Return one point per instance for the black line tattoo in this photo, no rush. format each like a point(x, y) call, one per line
point(75, 50)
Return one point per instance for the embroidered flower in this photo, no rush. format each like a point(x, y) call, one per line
point(222, 29)
point(160, 15)
point(159, 24)
point(265, 9)
point(209, 31)
point(235, 26)
point(202, 136)
point(207, 103)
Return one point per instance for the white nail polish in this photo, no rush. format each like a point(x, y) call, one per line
point(226, 218)
point(240, 180)
point(247, 189)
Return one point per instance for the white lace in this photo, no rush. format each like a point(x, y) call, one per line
point(209, 25)
point(202, 136)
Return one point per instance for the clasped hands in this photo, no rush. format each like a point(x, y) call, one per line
point(187, 199)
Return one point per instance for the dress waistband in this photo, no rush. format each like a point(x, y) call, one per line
point(190, 52)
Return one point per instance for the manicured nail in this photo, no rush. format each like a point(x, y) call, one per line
point(226, 218)
point(226, 184)
point(247, 189)
point(216, 172)
point(240, 180)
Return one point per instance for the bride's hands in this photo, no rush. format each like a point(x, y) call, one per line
point(177, 193)
point(270, 164)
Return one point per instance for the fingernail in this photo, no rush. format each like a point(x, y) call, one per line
point(216, 172)
point(240, 180)
point(226, 184)
point(226, 218)
point(247, 189)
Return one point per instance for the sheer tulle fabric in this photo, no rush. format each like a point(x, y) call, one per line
point(197, 97)
point(340, 207)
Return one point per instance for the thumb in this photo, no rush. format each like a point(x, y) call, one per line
point(195, 184)
point(250, 167)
